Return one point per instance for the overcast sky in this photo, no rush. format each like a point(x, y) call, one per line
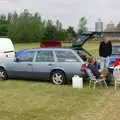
point(68, 11)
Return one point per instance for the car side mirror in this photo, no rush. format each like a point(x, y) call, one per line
point(17, 60)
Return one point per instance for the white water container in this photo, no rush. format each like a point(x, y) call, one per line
point(77, 82)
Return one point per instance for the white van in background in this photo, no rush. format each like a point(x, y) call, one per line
point(7, 50)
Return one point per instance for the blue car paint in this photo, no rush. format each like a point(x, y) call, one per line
point(18, 53)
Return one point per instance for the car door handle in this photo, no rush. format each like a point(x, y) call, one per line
point(29, 64)
point(49, 65)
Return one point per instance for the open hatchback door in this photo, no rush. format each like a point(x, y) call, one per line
point(81, 40)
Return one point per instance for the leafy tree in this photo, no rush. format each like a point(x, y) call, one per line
point(3, 18)
point(71, 34)
point(71, 31)
point(3, 26)
point(50, 31)
point(58, 25)
point(9, 17)
point(3, 30)
point(82, 25)
point(26, 27)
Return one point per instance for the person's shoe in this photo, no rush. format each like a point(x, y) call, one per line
point(110, 84)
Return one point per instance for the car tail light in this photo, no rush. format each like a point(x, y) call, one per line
point(83, 68)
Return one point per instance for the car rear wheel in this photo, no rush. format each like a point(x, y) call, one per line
point(58, 77)
point(3, 74)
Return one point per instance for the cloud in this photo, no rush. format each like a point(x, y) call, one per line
point(8, 0)
point(114, 4)
point(68, 11)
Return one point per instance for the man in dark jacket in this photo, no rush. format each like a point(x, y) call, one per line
point(105, 50)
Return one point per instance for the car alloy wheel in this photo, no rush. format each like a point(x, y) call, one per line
point(3, 74)
point(58, 77)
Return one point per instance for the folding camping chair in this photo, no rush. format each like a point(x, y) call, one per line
point(116, 75)
point(93, 81)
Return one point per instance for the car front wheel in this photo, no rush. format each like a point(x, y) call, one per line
point(58, 77)
point(3, 74)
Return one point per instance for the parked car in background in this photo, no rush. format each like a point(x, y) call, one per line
point(50, 43)
point(18, 53)
point(115, 54)
point(7, 50)
point(55, 64)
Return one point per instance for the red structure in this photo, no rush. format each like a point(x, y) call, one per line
point(117, 62)
point(50, 43)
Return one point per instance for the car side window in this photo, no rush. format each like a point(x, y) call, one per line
point(44, 56)
point(66, 56)
point(115, 50)
point(27, 56)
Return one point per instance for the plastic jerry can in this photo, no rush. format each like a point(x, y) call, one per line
point(77, 82)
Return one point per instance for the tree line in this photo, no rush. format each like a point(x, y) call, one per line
point(27, 27)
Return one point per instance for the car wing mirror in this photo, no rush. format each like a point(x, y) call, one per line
point(17, 60)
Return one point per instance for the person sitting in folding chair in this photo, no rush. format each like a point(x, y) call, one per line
point(94, 74)
point(93, 66)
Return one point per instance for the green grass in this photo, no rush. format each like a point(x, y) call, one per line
point(31, 100)
point(26, 100)
point(20, 46)
point(92, 47)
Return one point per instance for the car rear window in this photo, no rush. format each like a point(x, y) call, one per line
point(66, 56)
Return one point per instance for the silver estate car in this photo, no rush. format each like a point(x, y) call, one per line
point(55, 64)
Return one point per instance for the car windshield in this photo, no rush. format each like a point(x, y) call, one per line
point(115, 49)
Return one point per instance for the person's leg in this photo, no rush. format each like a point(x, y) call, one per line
point(109, 78)
point(102, 64)
point(107, 61)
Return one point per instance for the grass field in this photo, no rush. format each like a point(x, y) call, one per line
point(31, 100)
